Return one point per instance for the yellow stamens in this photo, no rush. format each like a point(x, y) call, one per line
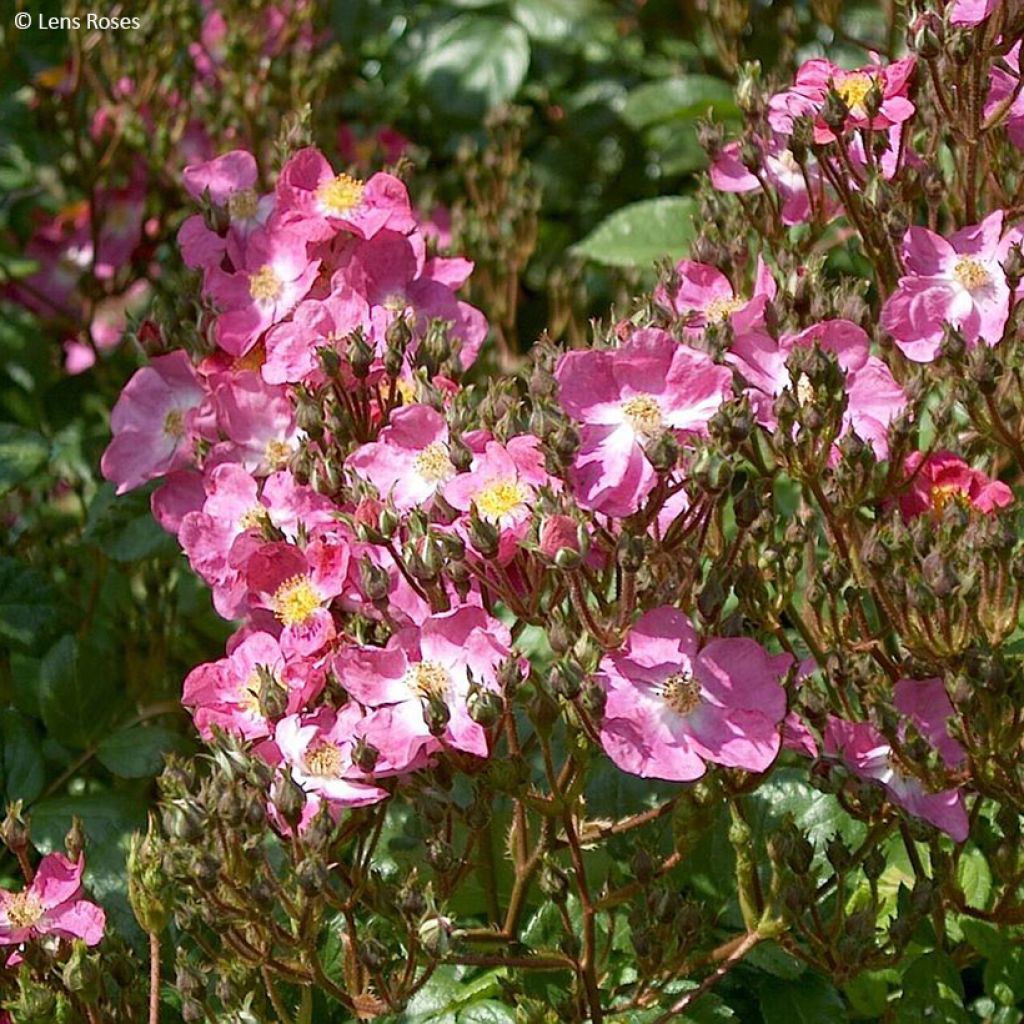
point(719, 310)
point(243, 205)
point(499, 498)
point(265, 285)
point(427, 679)
point(971, 273)
point(24, 909)
point(324, 760)
point(277, 453)
point(340, 195)
point(681, 692)
point(406, 390)
point(643, 414)
point(854, 90)
point(249, 694)
point(433, 464)
point(943, 494)
point(295, 601)
point(174, 423)
point(254, 518)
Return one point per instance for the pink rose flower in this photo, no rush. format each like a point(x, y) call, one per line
point(51, 905)
point(705, 296)
point(433, 664)
point(298, 585)
point(321, 203)
point(502, 484)
point(809, 90)
point(153, 422)
point(866, 752)
point(943, 476)
point(226, 693)
point(875, 399)
point(672, 707)
point(959, 280)
point(624, 398)
point(410, 461)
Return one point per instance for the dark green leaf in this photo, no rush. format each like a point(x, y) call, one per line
point(809, 1000)
point(138, 752)
point(641, 233)
point(23, 767)
point(77, 695)
point(676, 98)
point(933, 991)
point(472, 63)
point(22, 452)
point(28, 604)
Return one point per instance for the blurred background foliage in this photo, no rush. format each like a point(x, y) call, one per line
point(557, 138)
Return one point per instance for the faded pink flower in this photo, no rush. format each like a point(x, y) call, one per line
point(410, 461)
point(959, 280)
point(625, 398)
point(51, 905)
point(153, 422)
point(705, 296)
point(435, 664)
point(926, 703)
point(867, 753)
point(875, 399)
point(672, 707)
point(941, 477)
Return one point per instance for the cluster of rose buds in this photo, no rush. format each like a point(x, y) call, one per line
point(755, 526)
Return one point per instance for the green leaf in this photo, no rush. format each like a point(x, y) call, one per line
point(138, 752)
point(28, 605)
point(868, 994)
point(449, 995)
point(974, 877)
point(555, 21)
point(933, 991)
point(24, 771)
point(641, 233)
point(473, 63)
point(22, 452)
point(123, 527)
point(809, 1000)
point(77, 692)
point(678, 98)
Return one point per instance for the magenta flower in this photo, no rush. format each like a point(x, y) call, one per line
point(968, 13)
point(866, 752)
point(153, 422)
point(298, 585)
point(258, 420)
point(322, 203)
point(959, 280)
point(926, 703)
point(1004, 87)
point(938, 478)
point(875, 399)
point(274, 276)
point(316, 323)
point(226, 693)
point(317, 750)
point(705, 296)
point(810, 88)
point(783, 173)
point(502, 484)
point(393, 272)
point(626, 397)
point(435, 663)
point(410, 460)
point(671, 707)
point(51, 905)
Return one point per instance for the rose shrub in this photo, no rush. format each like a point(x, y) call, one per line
point(664, 671)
